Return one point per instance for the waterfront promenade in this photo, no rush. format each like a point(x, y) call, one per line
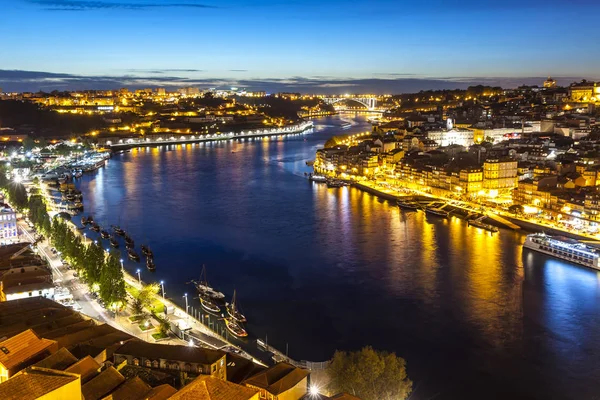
point(177, 138)
point(506, 219)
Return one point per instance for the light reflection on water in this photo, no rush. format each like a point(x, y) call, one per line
point(321, 268)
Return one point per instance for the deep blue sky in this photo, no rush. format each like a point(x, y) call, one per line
point(317, 44)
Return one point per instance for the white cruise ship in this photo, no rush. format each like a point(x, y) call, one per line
point(563, 248)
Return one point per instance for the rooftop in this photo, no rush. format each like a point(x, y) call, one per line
point(278, 379)
point(21, 348)
point(207, 387)
point(34, 383)
point(60, 360)
point(102, 384)
point(138, 348)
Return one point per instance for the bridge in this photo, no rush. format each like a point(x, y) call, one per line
point(369, 102)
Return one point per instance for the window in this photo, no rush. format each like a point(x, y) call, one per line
point(214, 368)
point(136, 362)
point(147, 363)
point(155, 364)
point(263, 394)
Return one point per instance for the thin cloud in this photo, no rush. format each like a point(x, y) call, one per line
point(20, 81)
point(238, 70)
point(84, 5)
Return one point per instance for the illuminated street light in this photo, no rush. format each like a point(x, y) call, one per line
point(162, 286)
point(121, 261)
point(139, 276)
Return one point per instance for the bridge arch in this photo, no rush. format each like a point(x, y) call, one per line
point(369, 102)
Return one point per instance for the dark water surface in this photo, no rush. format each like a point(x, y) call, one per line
point(323, 269)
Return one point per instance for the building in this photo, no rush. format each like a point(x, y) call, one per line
point(26, 281)
point(499, 174)
point(174, 358)
point(584, 92)
point(21, 351)
point(207, 387)
point(549, 83)
point(41, 383)
point(463, 137)
point(280, 382)
point(8, 225)
point(189, 91)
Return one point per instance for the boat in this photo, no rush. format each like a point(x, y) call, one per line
point(204, 288)
point(334, 183)
point(90, 219)
point(146, 251)
point(478, 223)
point(318, 178)
point(114, 243)
point(150, 264)
point(95, 227)
point(133, 256)
point(235, 328)
point(104, 234)
point(209, 305)
point(129, 241)
point(119, 231)
point(409, 205)
point(564, 249)
point(84, 221)
point(440, 212)
point(234, 312)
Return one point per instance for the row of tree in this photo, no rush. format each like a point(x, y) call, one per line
point(96, 267)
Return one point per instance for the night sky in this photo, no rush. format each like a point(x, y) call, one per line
point(306, 45)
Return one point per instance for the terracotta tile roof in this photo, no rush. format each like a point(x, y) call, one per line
point(207, 387)
point(60, 360)
point(131, 389)
point(87, 367)
point(103, 384)
point(278, 379)
point(138, 348)
point(22, 347)
point(34, 383)
point(162, 392)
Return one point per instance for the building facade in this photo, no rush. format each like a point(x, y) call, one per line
point(8, 225)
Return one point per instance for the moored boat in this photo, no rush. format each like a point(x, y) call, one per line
point(119, 231)
point(478, 223)
point(209, 305)
point(205, 289)
point(104, 234)
point(90, 219)
point(233, 311)
point(235, 328)
point(129, 241)
point(150, 264)
point(564, 249)
point(95, 227)
point(409, 205)
point(114, 243)
point(146, 251)
point(437, 212)
point(84, 221)
point(133, 256)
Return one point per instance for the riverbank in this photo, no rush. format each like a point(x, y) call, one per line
point(527, 225)
point(167, 139)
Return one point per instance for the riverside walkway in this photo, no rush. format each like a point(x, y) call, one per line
point(171, 138)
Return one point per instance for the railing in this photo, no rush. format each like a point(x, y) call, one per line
point(279, 356)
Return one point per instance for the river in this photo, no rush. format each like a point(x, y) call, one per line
point(320, 269)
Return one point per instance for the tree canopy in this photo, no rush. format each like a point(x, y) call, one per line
point(369, 374)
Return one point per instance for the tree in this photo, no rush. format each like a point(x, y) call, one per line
point(112, 284)
point(369, 374)
point(144, 298)
point(93, 263)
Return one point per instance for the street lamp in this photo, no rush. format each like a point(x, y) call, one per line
point(121, 260)
point(139, 276)
point(162, 286)
point(146, 324)
point(186, 302)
